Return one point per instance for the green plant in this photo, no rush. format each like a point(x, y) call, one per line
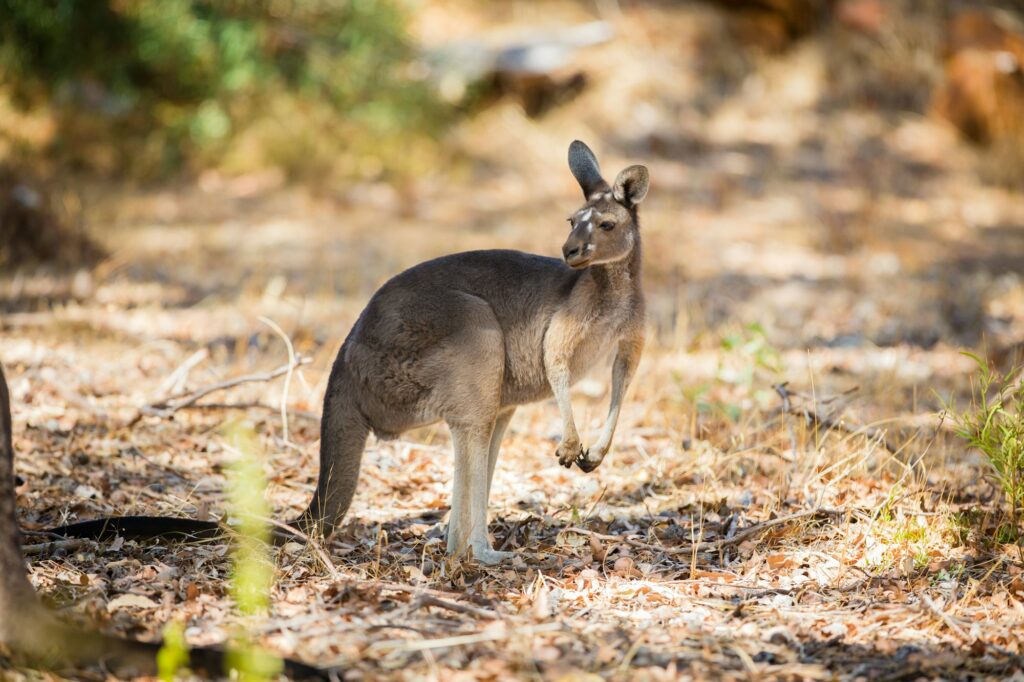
point(253, 569)
point(747, 365)
point(173, 655)
point(994, 425)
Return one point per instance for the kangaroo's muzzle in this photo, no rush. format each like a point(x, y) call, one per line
point(577, 253)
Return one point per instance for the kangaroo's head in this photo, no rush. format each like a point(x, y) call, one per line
point(605, 229)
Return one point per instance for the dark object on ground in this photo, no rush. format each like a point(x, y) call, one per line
point(32, 231)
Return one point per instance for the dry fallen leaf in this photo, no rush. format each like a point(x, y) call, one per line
point(777, 561)
point(130, 601)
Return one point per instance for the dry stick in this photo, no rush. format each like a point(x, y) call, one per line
point(52, 546)
point(317, 547)
point(288, 376)
point(459, 640)
point(786, 409)
point(170, 405)
point(944, 617)
point(815, 419)
point(955, 627)
point(431, 600)
point(301, 414)
point(707, 546)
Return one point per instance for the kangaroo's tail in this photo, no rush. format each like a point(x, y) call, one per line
point(343, 434)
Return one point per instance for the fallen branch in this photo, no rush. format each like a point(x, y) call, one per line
point(710, 546)
point(263, 407)
point(944, 617)
point(166, 407)
point(431, 600)
point(52, 546)
point(287, 530)
point(817, 420)
point(462, 640)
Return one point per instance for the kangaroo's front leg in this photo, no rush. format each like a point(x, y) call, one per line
point(560, 342)
point(626, 359)
point(569, 448)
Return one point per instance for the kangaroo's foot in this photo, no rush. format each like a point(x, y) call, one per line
point(485, 554)
point(569, 452)
point(459, 542)
point(592, 458)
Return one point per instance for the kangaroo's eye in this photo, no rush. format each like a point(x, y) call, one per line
point(607, 225)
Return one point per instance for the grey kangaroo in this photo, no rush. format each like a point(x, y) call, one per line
point(466, 338)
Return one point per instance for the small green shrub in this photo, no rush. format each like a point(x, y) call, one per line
point(173, 655)
point(994, 425)
point(252, 572)
point(253, 568)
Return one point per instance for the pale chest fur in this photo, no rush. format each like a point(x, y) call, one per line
point(588, 330)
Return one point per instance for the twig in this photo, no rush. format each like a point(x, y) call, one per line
point(944, 617)
point(287, 377)
point(459, 640)
point(53, 546)
point(707, 546)
point(168, 406)
point(431, 600)
point(301, 414)
point(816, 419)
point(317, 547)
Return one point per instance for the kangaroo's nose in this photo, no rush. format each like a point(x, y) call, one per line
point(572, 251)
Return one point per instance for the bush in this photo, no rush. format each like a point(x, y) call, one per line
point(167, 83)
point(994, 424)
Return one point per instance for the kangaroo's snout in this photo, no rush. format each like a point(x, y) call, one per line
point(577, 252)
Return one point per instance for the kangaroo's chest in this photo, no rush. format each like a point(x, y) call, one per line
point(595, 342)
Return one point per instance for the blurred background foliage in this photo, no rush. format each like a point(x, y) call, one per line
point(145, 88)
point(328, 94)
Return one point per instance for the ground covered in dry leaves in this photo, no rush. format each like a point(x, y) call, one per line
point(783, 500)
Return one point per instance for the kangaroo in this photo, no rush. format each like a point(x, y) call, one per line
point(465, 339)
point(33, 636)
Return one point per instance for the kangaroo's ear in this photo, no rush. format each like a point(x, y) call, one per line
point(583, 165)
point(631, 185)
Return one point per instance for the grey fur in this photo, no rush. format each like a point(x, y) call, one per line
point(466, 338)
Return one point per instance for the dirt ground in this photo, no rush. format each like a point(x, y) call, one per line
point(851, 254)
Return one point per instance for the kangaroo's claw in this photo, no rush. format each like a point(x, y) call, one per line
point(585, 465)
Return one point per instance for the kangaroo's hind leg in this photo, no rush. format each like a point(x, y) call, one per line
point(500, 425)
point(469, 370)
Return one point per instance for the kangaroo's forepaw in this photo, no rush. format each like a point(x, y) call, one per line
point(591, 459)
point(569, 452)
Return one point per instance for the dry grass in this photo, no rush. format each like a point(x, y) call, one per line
point(864, 247)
